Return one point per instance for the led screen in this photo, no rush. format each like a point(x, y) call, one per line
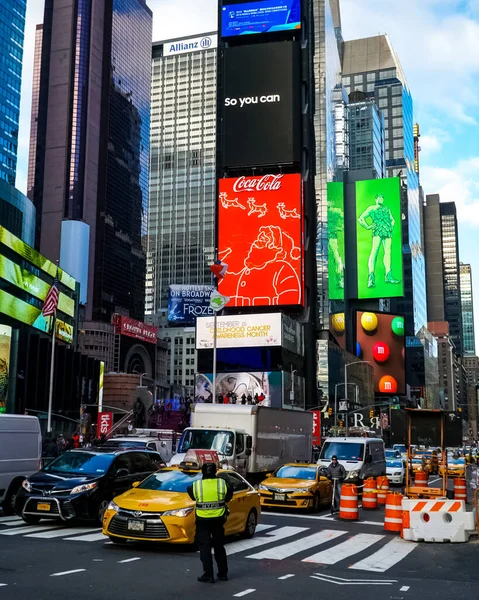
point(260, 17)
point(336, 240)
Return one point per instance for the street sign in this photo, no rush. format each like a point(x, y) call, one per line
point(218, 301)
point(343, 405)
point(105, 422)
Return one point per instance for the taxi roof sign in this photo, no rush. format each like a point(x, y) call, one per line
point(195, 459)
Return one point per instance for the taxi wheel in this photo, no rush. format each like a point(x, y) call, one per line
point(251, 523)
point(316, 503)
point(117, 540)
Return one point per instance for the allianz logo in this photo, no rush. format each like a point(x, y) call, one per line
point(182, 46)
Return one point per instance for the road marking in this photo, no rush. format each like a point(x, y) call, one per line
point(262, 527)
point(323, 578)
point(98, 560)
point(354, 545)
point(127, 560)
point(354, 580)
point(15, 523)
point(32, 529)
point(374, 523)
point(67, 572)
point(386, 557)
point(305, 543)
point(244, 593)
point(92, 537)
point(3, 584)
point(404, 588)
point(269, 538)
point(47, 535)
point(8, 519)
point(286, 576)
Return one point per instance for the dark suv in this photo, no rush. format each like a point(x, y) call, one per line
point(79, 484)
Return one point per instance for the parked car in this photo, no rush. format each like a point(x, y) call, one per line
point(79, 484)
point(20, 454)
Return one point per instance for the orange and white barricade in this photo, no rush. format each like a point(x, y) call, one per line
point(370, 494)
point(348, 503)
point(460, 490)
point(393, 512)
point(383, 489)
point(421, 479)
point(436, 521)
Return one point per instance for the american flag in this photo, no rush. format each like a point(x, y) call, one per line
point(51, 301)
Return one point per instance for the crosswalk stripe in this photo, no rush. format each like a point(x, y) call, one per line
point(304, 543)
point(32, 529)
point(14, 523)
point(46, 535)
point(386, 557)
point(262, 527)
point(92, 537)
point(354, 545)
point(8, 519)
point(269, 538)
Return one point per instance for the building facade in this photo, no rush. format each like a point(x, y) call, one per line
point(17, 213)
point(467, 309)
point(181, 223)
point(32, 153)
point(367, 147)
point(92, 150)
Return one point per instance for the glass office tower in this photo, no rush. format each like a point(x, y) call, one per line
point(467, 306)
point(12, 28)
point(367, 146)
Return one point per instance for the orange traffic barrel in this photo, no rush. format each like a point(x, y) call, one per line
point(383, 489)
point(420, 479)
point(393, 520)
point(370, 494)
point(348, 504)
point(460, 492)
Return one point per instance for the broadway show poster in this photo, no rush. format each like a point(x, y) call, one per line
point(260, 239)
point(5, 343)
point(379, 238)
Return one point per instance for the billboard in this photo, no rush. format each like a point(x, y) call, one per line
point(196, 44)
point(380, 341)
point(245, 331)
point(336, 258)
point(379, 238)
point(5, 342)
point(266, 383)
point(135, 329)
point(186, 302)
point(259, 16)
point(104, 423)
point(261, 105)
point(260, 238)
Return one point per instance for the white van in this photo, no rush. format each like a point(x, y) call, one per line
point(20, 455)
point(361, 457)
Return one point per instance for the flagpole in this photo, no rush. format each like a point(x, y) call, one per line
point(52, 371)
point(214, 357)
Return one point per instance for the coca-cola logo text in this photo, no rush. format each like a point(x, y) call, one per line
point(258, 184)
point(252, 100)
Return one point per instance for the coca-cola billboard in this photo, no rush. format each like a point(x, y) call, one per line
point(260, 238)
point(261, 105)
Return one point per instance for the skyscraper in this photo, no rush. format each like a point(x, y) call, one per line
point(37, 65)
point(181, 224)
point(467, 307)
point(12, 27)
point(92, 151)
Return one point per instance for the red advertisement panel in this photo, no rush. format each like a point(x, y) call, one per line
point(105, 422)
point(260, 239)
point(135, 329)
point(316, 427)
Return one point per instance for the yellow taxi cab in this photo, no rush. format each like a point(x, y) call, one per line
point(456, 467)
point(159, 509)
point(296, 485)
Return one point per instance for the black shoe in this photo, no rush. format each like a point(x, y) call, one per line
point(222, 577)
point(206, 578)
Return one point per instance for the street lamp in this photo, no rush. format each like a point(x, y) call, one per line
point(356, 362)
point(141, 377)
point(336, 403)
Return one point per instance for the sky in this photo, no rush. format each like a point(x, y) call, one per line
point(437, 44)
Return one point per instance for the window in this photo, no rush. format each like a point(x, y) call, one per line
point(235, 481)
point(358, 79)
point(142, 463)
point(239, 443)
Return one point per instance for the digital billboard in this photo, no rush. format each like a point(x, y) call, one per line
point(380, 341)
point(239, 331)
point(259, 16)
point(186, 302)
point(261, 105)
point(260, 239)
point(5, 343)
point(266, 383)
point(379, 238)
point(135, 329)
point(336, 240)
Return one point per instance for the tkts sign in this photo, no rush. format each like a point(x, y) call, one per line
point(260, 229)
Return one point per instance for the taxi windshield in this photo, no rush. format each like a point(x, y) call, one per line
point(456, 461)
point(394, 463)
point(169, 481)
point(344, 451)
point(296, 473)
point(199, 439)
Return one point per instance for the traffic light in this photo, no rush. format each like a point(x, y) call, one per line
point(330, 411)
point(371, 414)
point(341, 424)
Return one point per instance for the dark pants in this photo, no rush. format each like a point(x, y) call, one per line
point(210, 533)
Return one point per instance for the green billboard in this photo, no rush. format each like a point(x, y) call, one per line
point(379, 238)
point(336, 240)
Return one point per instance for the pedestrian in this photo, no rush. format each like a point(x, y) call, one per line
point(211, 495)
point(337, 472)
point(243, 399)
point(76, 439)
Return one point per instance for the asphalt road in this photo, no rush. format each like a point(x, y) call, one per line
point(291, 555)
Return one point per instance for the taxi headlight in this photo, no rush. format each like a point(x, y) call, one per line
point(180, 512)
point(85, 487)
point(263, 487)
point(302, 490)
point(113, 506)
point(26, 485)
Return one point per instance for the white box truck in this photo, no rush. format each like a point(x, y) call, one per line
point(254, 440)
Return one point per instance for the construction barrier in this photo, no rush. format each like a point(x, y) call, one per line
point(348, 504)
point(393, 512)
point(370, 494)
point(421, 479)
point(460, 490)
point(436, 521)
point(383, 489)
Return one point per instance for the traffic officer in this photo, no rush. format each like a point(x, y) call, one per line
point(211, 495)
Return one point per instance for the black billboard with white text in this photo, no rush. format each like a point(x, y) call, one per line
point(261, 105)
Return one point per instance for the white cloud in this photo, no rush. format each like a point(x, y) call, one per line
point(181, 18)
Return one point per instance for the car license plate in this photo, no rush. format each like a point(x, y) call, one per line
point(279, 497)
point(136, 525)
point(44, 506)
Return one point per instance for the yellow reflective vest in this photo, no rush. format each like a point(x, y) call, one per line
point(210, 497)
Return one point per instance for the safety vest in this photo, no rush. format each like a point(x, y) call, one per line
point(210, 497)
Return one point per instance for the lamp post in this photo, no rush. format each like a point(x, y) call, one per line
point(336, 404)
point(356, 362)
